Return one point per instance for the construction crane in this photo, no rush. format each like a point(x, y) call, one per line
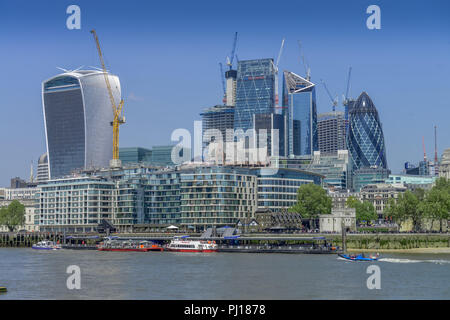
point(230, 59)
point(346, 99)
point(305, 63)
point(224, 100)
point(117, 109)
point(333, 101)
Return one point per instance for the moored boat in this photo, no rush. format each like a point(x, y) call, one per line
point(181, 244)
point(359, 257)
point(46, 245)
point(116, 245)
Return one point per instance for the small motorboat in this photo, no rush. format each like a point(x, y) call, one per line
point(359, 257)
point(46, 245)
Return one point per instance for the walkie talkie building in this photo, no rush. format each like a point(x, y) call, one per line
point(365, 139)
point(78, 116)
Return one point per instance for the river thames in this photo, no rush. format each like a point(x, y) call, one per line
point(33, 274)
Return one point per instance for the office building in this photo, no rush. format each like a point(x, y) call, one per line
point(364, 176)
point(220, 118)
point(42, 169)
point(78, 116)
point(273, 125)
point(162, 155)
point(335, 168)
point(331, 132)
point(412, 181)
point(300, 110)
point(255, 91)
point(365, 139)
point(135, 155)
point(444, 167)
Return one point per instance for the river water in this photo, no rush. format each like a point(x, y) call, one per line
point(40, 274)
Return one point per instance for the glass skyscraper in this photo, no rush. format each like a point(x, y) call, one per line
point(365, 135)
point(255, 92)
point(78, 116)
point(299, 107)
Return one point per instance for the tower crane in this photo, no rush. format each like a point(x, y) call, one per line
point(333, 101)
point(230, 59)
point(346, 99)
point(118, 119)
point(223, 84)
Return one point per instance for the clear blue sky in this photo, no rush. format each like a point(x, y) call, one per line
point(166, 54)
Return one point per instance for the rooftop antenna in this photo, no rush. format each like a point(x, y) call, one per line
point(31, 173)
point(435, 146)
point(424, 153)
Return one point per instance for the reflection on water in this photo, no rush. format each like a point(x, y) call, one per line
point(32, 274)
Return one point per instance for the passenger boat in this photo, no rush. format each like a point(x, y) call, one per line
point(181, 244)
point(359, 257)
point(46, 245)
point(117, 245)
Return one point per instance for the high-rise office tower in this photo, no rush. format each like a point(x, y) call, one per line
point(255, 91)
point(274, 125)
point(78, 116)
point(42, 169)
point(331, 132)
point(365, 140)
point(219, 118)
point(300, 110)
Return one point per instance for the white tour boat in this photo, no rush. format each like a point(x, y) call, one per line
point(181, 244)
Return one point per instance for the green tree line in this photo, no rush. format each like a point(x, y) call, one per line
point(13, 215)
point(419, 204)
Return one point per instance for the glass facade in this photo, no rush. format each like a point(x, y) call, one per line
point(300, 109)
point(365, 135)
point(255, 92)
point(192, 197)
point(78, 116)
point(135, 155)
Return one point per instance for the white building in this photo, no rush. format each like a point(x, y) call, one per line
point(333, 222)
point(444, 167)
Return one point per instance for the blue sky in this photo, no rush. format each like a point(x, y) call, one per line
point(167, 53)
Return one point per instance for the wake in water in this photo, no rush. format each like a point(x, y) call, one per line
point(395, 260)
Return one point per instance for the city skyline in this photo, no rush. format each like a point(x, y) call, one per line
point(147, 50)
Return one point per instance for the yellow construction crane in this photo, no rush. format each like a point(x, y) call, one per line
point(117, 109)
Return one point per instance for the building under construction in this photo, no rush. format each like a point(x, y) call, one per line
point(331, 132)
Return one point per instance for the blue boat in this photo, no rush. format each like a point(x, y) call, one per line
point(46, 245)
point(359, 257)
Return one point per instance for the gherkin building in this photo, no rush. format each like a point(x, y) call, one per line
point(365, 139)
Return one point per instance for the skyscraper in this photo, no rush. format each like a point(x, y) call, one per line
point(365, 136)
point(331, 132)
point(78, 116)
point(255, 92)
point(299, 107)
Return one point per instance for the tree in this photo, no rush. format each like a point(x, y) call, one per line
point(12, 215)
point(436, 204)
point(312, 200)
point(406, 207)
point(365, 211)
